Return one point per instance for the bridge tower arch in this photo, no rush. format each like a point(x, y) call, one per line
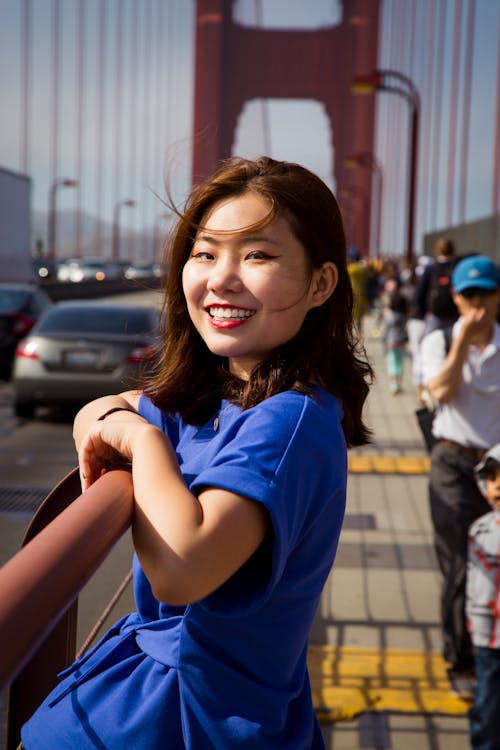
point(235, 63)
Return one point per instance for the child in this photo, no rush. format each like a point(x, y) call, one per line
point(483, 607)
point(394, 336)
point(238, 454)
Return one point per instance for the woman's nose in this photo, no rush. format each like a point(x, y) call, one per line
point(225, 276)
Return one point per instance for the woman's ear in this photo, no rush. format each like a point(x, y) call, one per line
point(323, 283)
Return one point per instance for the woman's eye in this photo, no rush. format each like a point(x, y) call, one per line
point(258, 255)
point(201, 255)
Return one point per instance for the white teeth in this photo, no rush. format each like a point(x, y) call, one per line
point(229, 312)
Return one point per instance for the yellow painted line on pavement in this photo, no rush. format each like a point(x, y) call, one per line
point(389, 464)
point(347, 681)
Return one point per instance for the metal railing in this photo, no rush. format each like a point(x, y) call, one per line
point(67, 540)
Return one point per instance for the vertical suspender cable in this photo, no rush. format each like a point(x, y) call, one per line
point(411, 40)
point(160, 92)
point(382, 120)
point(495, 188)
point(464, 151)
point(173, 68)
point(56, 15)
point(452, 129)
point(425, 141)
point(266, 130)
point(438, 63)
point(52, 242)
point(80, 113)
point(101, 68)
point(133, 100)
point(165, 88)
point(26, 84)
point(412, 72)
point(146, 68)
point(395, 151)
point(118, 97)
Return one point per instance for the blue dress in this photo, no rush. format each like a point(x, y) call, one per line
point(228, 671)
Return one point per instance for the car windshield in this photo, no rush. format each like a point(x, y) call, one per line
point(109, 320)
point(12, 299)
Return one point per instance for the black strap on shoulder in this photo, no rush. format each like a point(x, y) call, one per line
point(447, 338)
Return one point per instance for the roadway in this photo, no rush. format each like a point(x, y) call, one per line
point(377, 676)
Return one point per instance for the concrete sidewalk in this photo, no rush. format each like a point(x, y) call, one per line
point(378, 677)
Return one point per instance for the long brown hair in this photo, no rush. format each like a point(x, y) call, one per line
point(192, 381)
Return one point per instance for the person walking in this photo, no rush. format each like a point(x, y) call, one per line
point(395, 338)
point(238, 452)
point(359, 274)
point(465, 383)
point(483, 607)
point(434, 294)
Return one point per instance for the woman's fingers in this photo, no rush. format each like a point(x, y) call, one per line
point(106, 445)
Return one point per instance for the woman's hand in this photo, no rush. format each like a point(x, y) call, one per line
point(90, 413)
point(109, 444)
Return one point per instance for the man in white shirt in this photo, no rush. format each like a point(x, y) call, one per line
point(466, 384)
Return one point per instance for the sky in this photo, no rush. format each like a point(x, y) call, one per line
point(128, 104)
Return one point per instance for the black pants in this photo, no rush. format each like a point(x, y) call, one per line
point(455, 502)
point(484, 716)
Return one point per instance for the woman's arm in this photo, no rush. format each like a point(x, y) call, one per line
point(188, 546)
point(91, 412)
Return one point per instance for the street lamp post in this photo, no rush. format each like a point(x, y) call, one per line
point(398, 83)
point(51, 229)
point(368, 161)
point(115, 248)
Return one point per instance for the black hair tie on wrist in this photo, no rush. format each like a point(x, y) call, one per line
point(112, 411)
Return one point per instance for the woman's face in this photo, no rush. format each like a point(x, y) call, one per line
point(248, 292)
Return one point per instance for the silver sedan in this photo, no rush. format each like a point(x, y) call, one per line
point(79, 351)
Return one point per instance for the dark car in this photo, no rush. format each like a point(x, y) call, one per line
point(20, 307)
point(79, 351)
point(143, 270)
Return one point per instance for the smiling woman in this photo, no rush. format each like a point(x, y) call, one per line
point(248, 292)
point(238, 449)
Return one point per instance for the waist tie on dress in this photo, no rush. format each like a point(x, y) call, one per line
point(158, 639)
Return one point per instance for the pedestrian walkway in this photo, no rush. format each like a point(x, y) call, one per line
point(375, 661)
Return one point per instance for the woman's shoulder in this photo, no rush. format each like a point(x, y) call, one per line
point(318, 412)
point(316, 400)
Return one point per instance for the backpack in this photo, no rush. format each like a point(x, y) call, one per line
point(439, 300)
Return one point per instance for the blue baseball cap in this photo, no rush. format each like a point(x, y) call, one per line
point(477, 271)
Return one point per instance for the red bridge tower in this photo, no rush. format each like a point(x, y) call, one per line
point(235, 64)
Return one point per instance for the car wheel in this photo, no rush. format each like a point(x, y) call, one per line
point(24, 409)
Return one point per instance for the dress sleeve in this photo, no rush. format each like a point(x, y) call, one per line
point(290, 455)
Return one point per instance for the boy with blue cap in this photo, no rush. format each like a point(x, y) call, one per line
point(483, 607)
point(465, 383)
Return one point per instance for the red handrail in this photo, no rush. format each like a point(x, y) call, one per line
point(42, 581)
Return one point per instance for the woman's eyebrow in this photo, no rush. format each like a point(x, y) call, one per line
point(259, 238)
point(218, 238)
